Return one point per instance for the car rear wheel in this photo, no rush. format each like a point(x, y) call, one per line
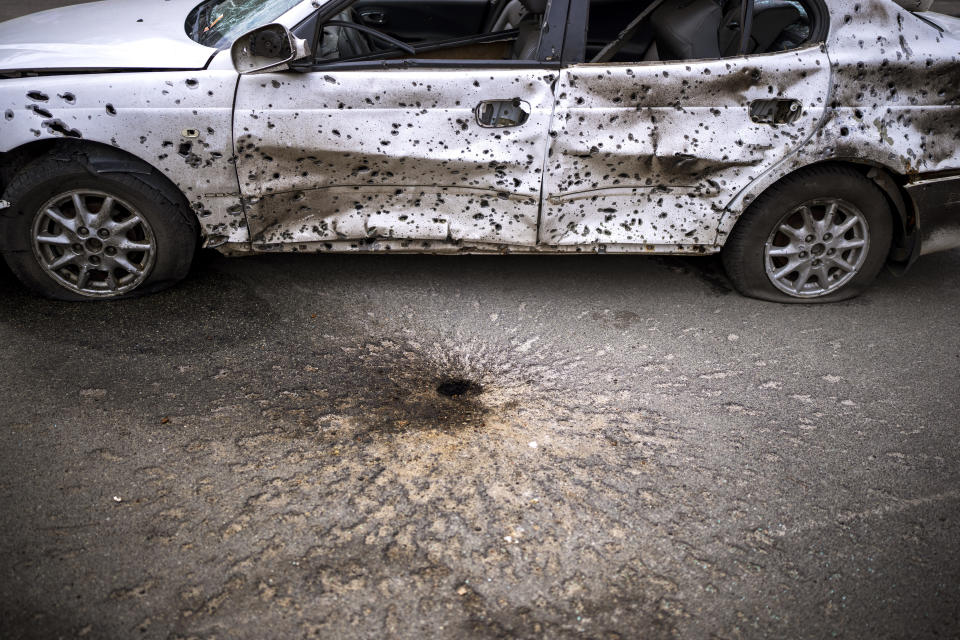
point(819, 235)
point(78, 235)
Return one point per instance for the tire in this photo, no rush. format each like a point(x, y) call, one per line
point(64, 241)
point(829, 224)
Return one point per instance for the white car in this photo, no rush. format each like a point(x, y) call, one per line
point(809, 141)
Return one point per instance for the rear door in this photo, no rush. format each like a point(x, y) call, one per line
point(649, 153)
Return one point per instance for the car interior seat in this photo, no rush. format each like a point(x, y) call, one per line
point(687, 30)
point(342, 42)
point(530, 26)
point(507, 16)
point(770, 19)
point(705, 29)
point(525, 15)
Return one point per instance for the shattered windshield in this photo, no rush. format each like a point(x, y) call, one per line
point(217, 23)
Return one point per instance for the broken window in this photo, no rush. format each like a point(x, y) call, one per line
point(619, 31)
point(394, 30)
point(217, 23)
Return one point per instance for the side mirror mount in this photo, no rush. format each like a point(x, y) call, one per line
point(269, 48)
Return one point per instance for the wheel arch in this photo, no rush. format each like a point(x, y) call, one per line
point(905, 248)
point(100, 158)
point(97, 158)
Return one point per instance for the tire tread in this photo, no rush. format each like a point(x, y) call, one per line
point(143, 179)
point(740, 251)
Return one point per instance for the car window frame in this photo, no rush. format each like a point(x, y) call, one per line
point(575, 41)
point(549, 53)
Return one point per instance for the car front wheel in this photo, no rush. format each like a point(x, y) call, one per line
point(819, 235)
point(78, 235)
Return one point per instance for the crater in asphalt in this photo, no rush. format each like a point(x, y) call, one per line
point(391, 393)
point(458, 387)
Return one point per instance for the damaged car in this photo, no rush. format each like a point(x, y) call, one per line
point(809, 142)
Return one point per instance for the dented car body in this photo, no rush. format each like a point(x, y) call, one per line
point(573, 126)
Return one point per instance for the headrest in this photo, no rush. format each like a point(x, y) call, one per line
point(536, 7)
point(687, 30)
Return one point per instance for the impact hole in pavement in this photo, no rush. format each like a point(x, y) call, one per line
point(458, 387)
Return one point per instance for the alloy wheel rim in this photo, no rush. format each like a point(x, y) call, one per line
point(817, 248)
point(93, 244)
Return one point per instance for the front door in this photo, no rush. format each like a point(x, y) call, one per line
point(407, 158)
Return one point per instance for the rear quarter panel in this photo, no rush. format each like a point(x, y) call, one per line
point(895, 98)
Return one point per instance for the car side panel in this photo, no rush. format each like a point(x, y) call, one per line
point(649, 153)
point(149, 116)
point(391, 154)
point(895, 98)
point(896, 89)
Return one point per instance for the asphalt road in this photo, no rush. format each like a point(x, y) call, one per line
point(637, 452)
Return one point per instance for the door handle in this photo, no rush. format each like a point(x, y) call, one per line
point(373, 16)
point(785, 111)
point(502, 113)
